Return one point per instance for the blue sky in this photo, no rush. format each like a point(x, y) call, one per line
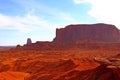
point(38, 19)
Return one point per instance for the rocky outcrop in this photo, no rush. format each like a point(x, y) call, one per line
point(87, 32)
point(29, 41)
point(102, 72)
point(112, 65)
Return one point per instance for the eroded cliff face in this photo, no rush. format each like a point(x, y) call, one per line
point(87, 32)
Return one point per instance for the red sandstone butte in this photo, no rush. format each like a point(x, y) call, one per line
point(87, 32)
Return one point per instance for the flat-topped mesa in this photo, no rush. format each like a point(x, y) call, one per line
point(87, 32)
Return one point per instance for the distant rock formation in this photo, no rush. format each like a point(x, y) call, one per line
point(87, 32)
point(29, 41)
point(18, 46)
point(80, 36)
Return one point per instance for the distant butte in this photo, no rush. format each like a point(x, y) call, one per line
point(29, 41)
point(87, 32)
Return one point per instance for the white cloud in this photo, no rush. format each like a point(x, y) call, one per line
point(34, 6)
point(106, 11)
point(25, 23)
point(30, 21)
point(67, 17)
